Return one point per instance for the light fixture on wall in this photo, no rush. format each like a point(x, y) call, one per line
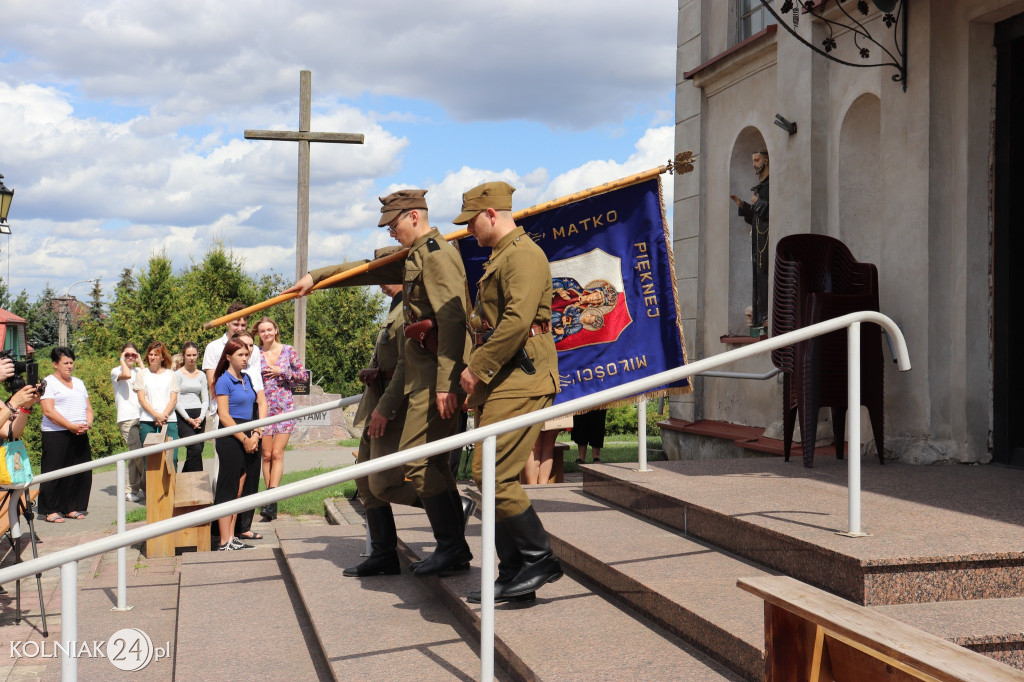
point(785, 124)
point(894, 16)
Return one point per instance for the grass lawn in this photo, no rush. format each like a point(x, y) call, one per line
point(617, 448)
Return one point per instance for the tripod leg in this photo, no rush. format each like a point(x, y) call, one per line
point(29, 516)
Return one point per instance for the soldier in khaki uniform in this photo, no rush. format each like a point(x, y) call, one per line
point(389, 486)
point(513, 370)
point(434, 294)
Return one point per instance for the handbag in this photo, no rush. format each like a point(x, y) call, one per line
point(15, 468)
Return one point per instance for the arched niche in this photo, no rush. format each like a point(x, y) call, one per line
point(860, 185)
point(741, 179)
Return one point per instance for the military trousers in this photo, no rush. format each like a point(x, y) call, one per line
point(427, 476)
point(511, 451)
point(388, 486)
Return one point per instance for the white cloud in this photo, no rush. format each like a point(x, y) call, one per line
point(122, 119)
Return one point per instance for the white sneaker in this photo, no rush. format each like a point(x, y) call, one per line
point(131, 497)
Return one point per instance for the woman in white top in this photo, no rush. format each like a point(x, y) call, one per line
point(67, 418)
point(126, 401)
point(193, 398)
point(158, 394)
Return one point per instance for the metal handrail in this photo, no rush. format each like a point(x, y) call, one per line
point(67, 559)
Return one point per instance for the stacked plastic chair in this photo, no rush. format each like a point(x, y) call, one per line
point(816, 279)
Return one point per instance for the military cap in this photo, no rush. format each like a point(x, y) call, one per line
point(496, 195)
point(403, 200)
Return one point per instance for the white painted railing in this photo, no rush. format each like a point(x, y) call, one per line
point(68, 559)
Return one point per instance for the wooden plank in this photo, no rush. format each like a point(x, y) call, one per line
point(159, 500)
point(304, 136)
point(855, 624)
point(789, 645)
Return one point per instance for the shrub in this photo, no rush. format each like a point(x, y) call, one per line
point(623, 419)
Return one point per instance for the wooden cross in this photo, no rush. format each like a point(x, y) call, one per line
point(303, 137)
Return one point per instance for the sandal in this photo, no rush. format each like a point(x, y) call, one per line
point(77, 515)
point(580, 461)
point(596, 460)
point(55, 517)
point(253, 535)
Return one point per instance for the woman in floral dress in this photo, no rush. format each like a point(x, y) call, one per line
point(281, 369)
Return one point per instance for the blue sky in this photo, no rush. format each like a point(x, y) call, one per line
point(123, 120)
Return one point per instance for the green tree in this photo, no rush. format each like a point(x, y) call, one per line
point(43, 327)
point(341, 328)
point(20, 305)
point(96, 300)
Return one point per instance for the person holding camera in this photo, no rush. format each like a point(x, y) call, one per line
point(67, 418)
point(126, 402)
point(15, 411)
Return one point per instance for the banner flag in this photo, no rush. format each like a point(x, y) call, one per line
point(614, 310)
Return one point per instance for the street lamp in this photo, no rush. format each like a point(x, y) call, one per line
point(5, 205)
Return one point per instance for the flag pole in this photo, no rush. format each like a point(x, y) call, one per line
point(682, 163)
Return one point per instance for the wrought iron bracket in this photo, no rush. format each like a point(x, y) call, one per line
point(894, 16)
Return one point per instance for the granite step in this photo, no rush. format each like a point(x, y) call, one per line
point(686, 586)
point(378, 628)
point(239, 614)
point(937, 533)
point(993, 627)
point(572, 631)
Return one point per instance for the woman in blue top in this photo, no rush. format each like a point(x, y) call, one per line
point(235, 401)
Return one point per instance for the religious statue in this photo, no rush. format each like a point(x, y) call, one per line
point(755, 214)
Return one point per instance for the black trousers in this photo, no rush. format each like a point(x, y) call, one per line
point(232, 462)
point(243, 522)
point(194, 452)
point(588, 428)
point(62, 449)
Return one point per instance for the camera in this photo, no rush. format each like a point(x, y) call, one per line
point(29, 368)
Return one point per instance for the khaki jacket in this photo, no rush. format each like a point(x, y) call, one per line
point(513, 294)
point(433, 286)
point(385, 358)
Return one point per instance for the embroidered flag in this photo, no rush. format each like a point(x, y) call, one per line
point(614, 312)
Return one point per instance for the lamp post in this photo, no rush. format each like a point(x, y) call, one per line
point(62, 313)
point(6, 195)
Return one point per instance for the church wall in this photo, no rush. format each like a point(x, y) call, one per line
point(923, 216)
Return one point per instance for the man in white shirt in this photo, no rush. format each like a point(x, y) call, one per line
point(126, 401)
point(211, 356)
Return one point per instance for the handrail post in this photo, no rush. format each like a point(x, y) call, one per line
point(122, 552)
point(69, 621)
point(641, 434)
point(487, 561)
point(853, 427)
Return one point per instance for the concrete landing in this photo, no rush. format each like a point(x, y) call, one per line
point(239, 616)
point(937, 533)
point(373, 628)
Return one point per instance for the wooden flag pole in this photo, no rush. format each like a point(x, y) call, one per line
point(682, 163)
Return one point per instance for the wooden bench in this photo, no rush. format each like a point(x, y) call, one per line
point(816, 636)
point(170, 494)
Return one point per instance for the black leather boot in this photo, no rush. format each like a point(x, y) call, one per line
point(509, 564)
point(539, 563)
point(383, 559)
point(465, 506)
point(452, 553)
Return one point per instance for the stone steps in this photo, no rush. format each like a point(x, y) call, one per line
point(684, 585)
point(373, 628)
point(572, 631)
point(787, 519)
point(239, 614)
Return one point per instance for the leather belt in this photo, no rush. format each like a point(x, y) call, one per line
point(479, 338)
